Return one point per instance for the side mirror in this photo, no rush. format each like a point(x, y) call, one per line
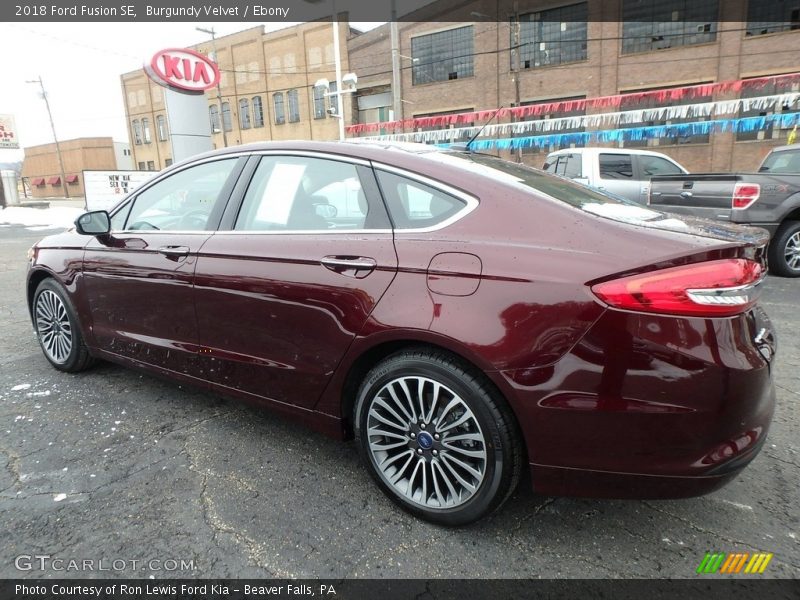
point(96, 222)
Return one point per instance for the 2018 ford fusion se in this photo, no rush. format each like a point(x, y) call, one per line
point(463, 317)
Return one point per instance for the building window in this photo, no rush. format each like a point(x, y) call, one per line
point(772, 17)
point(333, 99)
point(277, 102)
point(213, 115)
point(658, 24)
point(555, 113)
point(319, 102)
point(146, 131)
point(692, 115)
point(161, 126)
point(137, 132)
point(244, 113)
point(772, 88)
point(226, 116)
point(442, 56)
point(552, 37)
point(258, 112)
point(151, 166)
point(142, 166)
point(294, 106)
point(167, 162)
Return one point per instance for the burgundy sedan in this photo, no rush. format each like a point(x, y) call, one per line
point(462, 316)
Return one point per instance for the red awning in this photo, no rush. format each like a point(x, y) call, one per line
point(72, 179)
point(54, 180)
point(37, 181)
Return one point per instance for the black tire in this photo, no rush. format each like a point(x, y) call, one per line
point(489, 424)
point(786, 239)
point(74, 359)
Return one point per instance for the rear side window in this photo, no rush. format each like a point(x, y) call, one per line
point(415, 205)
point(655, 165)
point(616, 166)
point(569, 165)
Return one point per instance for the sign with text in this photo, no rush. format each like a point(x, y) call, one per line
point(104, 189)
point(8, 133)
point(183, 69)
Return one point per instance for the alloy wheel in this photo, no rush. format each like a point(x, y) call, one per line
point(791, 251)
point(426, 442)
point(53, 326)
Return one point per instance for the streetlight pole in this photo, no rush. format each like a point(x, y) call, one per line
point(213, 35)
point(55, 137)
point(337, 58)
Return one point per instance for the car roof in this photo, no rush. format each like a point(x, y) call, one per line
point(596, 150)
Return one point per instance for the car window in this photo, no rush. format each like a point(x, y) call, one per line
point(550, 164)
point(119, 218)
point(786, 161)
point(655, 165)
point(569, 165)
point(616, 166)
point(294, 193)
point(183, 201)
point(415, 205)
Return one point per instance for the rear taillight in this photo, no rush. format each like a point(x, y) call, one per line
point(744, 194)
point(717, 288)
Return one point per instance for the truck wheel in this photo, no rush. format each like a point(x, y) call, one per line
point(784, 250)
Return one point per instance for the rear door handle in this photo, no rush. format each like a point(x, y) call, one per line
point(174, 251)
point(339, 264)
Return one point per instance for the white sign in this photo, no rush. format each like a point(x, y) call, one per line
point(8, 133)
point(104, 189)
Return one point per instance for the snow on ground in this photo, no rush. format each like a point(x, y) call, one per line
point(55, 217)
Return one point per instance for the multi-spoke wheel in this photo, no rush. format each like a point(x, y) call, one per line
point(56, 328)
point(784, 250)
point(436, 438)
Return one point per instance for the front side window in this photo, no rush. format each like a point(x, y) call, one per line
point(552, 37)
point(659, 24)
point(414, 205)
point(443, 56)
point(244, 113)
point(277, 103)
point(258, 112)
point(183, 201)
point(616, 166)
point(786, 161)
point(292, 193)
point(294, 106)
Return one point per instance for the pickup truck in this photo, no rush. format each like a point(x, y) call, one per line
point(769, 198)
point(619, 171)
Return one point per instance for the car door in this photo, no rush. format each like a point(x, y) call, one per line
point(282, 293)
point(617, 175)
point(139, 279)
point(649, 166)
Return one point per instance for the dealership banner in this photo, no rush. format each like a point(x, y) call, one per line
point(8, 133)
point(103, 189)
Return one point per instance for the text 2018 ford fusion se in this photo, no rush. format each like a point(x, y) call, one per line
point(462, 316)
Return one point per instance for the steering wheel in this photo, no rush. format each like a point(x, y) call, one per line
point(193, 221)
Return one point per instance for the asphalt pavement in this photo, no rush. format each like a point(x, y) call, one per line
point(147, 478)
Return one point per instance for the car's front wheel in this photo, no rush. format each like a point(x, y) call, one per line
point(436, 437)
point(57, 328)
point(784, 250)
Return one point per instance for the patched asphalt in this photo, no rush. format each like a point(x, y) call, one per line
point(116, 465)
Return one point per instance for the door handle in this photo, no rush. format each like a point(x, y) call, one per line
point(344, 263)
point(174, 251)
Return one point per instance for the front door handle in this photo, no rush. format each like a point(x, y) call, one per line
point(174, 251)
point(363, 266)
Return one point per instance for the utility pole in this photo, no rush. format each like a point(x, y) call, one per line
point(55, 137)
point(213, 35)
point(397, 103)
point(337, 57)
point(515, 67)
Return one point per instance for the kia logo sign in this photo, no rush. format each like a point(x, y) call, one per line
point(183, 69)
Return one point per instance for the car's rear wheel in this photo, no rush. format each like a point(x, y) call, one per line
point(784, 250)
point(437, 438)
point(57, 328)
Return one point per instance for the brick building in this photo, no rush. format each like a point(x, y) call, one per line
point(572, 50)
point(267, 85)
point(42, 172)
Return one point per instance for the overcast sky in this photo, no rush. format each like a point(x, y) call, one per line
point(80, 65)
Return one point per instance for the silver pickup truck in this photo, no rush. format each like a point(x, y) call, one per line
point(769, 198)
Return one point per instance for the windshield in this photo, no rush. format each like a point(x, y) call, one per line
point(785, 161)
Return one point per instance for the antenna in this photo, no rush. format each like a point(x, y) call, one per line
point(472, 139)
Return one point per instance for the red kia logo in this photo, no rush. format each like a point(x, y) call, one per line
point(184, 69)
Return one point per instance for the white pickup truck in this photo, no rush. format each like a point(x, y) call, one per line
point(621, 171)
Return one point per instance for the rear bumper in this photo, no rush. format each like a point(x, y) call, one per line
point(647, 406)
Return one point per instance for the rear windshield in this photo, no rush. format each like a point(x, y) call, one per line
point(786, 161)
point(575, 194)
